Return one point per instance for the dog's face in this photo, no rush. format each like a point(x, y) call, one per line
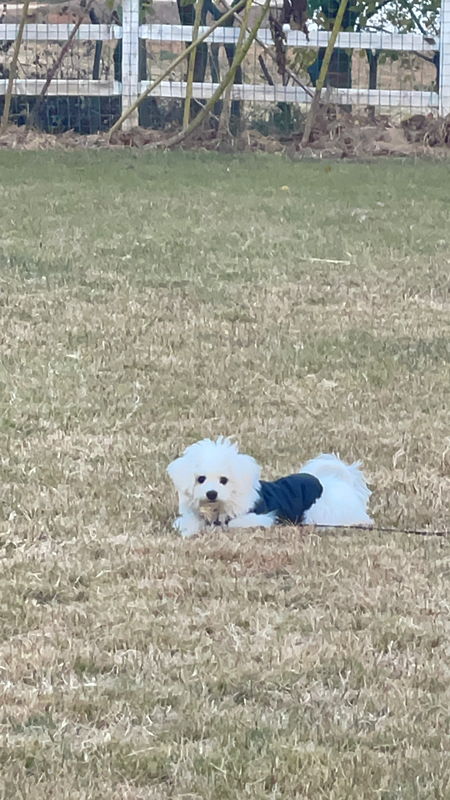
point(216, 472)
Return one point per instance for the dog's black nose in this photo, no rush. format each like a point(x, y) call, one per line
point(211, 495)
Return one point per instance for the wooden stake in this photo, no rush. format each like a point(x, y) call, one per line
point(229, 78)
point(190, 77)
point(172, 66)
point(224, 125)
point(268, 52)
point(13, 67)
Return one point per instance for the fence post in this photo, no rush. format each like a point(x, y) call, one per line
point(130, 59)
point(444, 60)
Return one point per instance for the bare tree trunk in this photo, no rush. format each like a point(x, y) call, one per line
point(323, 72)
point(53, 70)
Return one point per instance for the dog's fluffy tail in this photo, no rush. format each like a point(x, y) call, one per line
point(345, 493)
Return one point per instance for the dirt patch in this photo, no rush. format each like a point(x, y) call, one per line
point(336, 134)
point(339, 134)
point(20, 138)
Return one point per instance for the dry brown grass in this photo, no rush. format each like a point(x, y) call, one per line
point(146, 302)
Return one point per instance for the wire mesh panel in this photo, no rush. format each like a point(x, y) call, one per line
point(383, 62)
point(375, 72)
point(67, 74)
point(82, 62)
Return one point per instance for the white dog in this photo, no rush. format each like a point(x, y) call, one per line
point(217, 485)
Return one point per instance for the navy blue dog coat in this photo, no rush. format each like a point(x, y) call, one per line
point(288, 497)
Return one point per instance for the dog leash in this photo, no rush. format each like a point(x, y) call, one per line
point(375, 528)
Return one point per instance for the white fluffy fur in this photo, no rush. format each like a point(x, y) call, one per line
point(345, 495)
point(343, 501)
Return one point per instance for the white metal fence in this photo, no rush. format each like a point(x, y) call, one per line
point(131, 32)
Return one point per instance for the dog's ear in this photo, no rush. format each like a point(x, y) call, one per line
point(181, 474)
point(249, 473)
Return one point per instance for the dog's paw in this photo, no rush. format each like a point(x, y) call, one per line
point(187, 527)
point(252, 520)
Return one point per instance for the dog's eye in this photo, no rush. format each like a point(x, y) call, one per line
point(224, 481)
point(201, 478)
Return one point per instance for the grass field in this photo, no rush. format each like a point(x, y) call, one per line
point(147, 301)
